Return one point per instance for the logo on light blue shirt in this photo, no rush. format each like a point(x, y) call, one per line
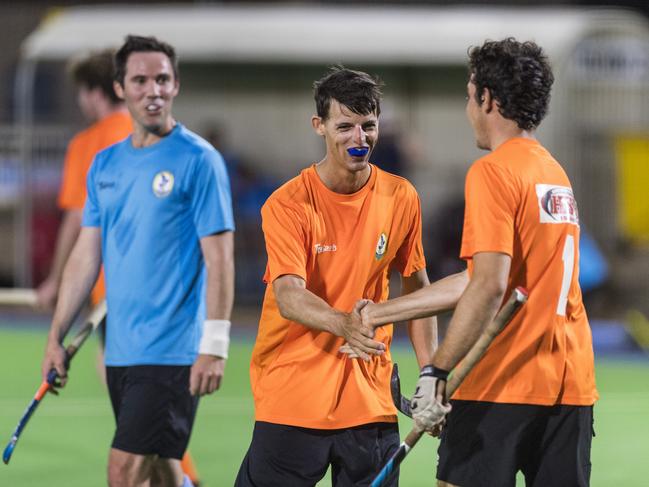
point(106, 184)
point(163, 183)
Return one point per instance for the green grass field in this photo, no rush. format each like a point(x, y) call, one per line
point(66, 442)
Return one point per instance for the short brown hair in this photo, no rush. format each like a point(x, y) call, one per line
point(96, 71)
point(142, 44)
point(358, 91)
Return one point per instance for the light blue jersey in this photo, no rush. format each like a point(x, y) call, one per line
point(153, 205)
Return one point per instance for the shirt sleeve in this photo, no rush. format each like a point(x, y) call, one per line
point(490, 210)
point(285, 240)
point(72, 193)
point(91, 213)
point(211, 199)
point(410, 256)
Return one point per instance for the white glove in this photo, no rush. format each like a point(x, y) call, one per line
point(429, 407)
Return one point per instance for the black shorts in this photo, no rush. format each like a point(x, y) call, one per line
point(153, 409)
point(486, 444)
point(283, 456)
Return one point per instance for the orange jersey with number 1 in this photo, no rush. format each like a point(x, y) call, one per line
point(343, 246)
point(80, 153)
point(519, 202)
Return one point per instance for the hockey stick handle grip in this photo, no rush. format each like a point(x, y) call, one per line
point(473, 356)
point(95, 317)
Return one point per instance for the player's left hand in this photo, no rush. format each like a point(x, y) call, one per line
point(429, 406)
point(206, 375)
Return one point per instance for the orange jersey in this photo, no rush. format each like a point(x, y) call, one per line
point(343, 246)
point(519, 202)
point(78, 158)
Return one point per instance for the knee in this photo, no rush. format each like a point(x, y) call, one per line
point(118, 473)
point(127, 469)
point(167, 472)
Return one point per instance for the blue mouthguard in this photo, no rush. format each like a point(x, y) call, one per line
point(358, 151)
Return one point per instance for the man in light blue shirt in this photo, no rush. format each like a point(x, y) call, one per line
point(159, 214)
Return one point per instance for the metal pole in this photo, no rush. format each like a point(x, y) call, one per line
point(24, 116)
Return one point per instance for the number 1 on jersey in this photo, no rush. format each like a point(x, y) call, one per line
point(568, 258)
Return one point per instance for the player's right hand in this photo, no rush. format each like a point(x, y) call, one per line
point(359, 337)
point(55, 359)
point(429, 406)
point(206, 374)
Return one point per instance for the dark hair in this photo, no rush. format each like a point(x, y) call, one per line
point(358, 91)
point(518, 76)
point(142, 44)
point(96, 71)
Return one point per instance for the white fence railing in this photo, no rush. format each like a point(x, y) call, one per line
point(30, 171)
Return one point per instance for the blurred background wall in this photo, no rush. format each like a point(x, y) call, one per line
point(254, 104)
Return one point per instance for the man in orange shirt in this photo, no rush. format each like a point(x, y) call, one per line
point(333, 233)
point(111, 123)
point(528, 404)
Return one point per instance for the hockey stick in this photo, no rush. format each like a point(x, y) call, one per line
point(18, 297)
point(401, 402)
point(95, 317)
point(504, 316)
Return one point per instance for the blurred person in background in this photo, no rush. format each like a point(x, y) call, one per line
point(159, 215)
point(110, 123)
point(251, 187)
point(390, 153)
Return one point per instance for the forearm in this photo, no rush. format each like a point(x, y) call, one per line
point(476, 308)
point(423, 336)
point(297, 303)
point(67, 236)
point(218, 255)
point(442, 295)
point(79, 276)
point(219, 289)
point(304, 307)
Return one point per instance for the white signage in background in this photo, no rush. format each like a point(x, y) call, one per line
point(622, 60)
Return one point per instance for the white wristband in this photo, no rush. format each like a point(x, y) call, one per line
point(216, 338)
